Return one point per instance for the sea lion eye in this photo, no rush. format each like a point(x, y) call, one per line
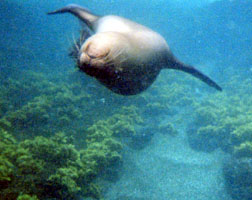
point(92, 57)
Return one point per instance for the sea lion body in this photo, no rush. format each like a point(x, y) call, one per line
point(130, 66)
point(125, 56)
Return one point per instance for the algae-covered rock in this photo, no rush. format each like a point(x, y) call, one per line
point(205, 116)
point(66, 177)
point(103, 152)
point(211, 126)
point(242, 133)
point(224, 121)
point(243, 150)
point(43, 168)
point(6, 171)
point(121, 124)
point(168, 129)
point(31, 103)
point(33, 114)
point(27, 197)
point(206, 138)
point(6, 138)
point(60, 153)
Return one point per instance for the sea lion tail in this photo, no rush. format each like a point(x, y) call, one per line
point(196, 73)
point(82, 13)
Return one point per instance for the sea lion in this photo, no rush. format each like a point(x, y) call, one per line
point(125, 56)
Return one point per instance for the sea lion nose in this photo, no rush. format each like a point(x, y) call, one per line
point(84, 59)
point(87, 59)
point(86, 55)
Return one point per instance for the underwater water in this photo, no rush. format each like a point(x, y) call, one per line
point(63, 135)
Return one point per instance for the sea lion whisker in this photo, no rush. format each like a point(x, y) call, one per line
point(75, 43)
point(115, 55)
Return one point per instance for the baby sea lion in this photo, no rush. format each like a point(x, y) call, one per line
point(125, 56)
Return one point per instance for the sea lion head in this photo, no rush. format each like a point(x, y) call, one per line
point(102, 55)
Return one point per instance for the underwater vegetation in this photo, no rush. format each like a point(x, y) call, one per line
point(42, 168)
point(38, 162)
point(39, 129)
point(31, 103)
point(42, 119)
point(60, 139)
point(224, 121)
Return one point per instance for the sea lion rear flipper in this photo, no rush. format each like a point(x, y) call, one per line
point(196, 73)
point(82, 13)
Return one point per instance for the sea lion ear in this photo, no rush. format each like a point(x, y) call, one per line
point(82, 13)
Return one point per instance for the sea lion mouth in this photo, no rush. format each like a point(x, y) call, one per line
point(95, 67)
point(87, 59)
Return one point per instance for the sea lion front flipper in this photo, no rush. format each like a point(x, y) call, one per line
point(194, 72)
point(82, 13)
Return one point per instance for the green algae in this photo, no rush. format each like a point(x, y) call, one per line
point(36, 163)
point(27, 197)
point(225, 120)
point(47, 168)
point(121, 124)
point(168, 129)
point(243, 150)
point(53, 168)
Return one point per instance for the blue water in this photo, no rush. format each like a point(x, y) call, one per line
point(214, 36)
